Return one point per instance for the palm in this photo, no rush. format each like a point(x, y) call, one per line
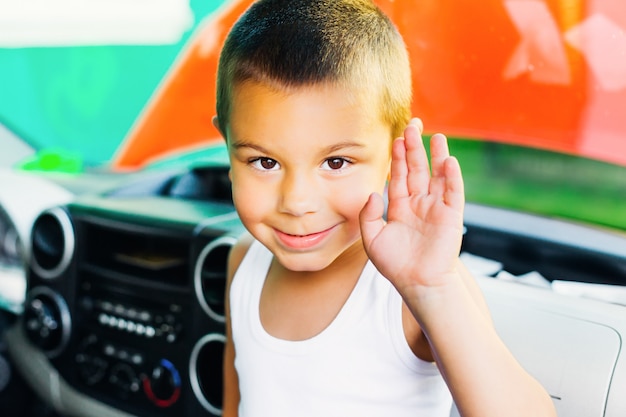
point(420, 241)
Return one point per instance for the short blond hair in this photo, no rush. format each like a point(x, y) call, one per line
point(288, 44)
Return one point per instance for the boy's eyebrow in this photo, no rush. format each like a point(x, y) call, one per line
point(330, 149)
point(343, 145)
point(244, 144)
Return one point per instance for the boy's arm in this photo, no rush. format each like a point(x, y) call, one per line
point(230, 401)
point(417, 250)
point(474, 289)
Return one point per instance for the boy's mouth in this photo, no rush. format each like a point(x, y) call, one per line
point(300, 242)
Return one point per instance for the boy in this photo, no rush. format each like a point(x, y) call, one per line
point(311, 94)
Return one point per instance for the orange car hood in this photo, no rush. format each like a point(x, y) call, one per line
point(542, 73)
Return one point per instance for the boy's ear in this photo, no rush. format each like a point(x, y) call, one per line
point(216, 123)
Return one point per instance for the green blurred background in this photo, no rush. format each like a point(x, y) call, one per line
point(83, 100)
point(76, 104)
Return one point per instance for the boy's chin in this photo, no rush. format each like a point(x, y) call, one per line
point(303, 262)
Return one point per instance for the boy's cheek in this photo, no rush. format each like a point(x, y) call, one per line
point(354, 199)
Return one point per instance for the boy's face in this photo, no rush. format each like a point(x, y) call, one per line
point(303, 165)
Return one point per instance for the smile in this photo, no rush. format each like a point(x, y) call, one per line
point(301, 242)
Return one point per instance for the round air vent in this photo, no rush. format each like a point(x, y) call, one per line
point(205, 371)
point(47, 320)
point(52, 243)
point(210, 276)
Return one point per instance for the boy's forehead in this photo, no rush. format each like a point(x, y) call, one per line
point(323, 113)
point(328, 94)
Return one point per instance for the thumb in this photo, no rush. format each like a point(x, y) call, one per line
point(371, 219)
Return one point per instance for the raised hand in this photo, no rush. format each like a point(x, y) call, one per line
point(420, 242)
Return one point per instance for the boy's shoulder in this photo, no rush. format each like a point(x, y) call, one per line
point(238, 251)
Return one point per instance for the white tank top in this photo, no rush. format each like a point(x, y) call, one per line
point(360, 365)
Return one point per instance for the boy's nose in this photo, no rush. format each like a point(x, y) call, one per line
point(299, 195)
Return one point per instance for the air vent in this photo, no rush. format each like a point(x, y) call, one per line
point(205, 371)
point(47, 320)
point(210, 276)
point(52, 243)
point(209, 183)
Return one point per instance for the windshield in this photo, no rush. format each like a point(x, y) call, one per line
point(530, 93)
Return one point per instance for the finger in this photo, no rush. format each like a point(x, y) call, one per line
point(439, 152)
point(417, 160)
point(417, 122)
point(399, 171)
point(454, 194)
point(371, 219)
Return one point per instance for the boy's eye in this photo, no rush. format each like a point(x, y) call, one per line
point(335, 163)
point(265, 164)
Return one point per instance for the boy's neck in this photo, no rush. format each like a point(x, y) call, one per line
point(297, 305)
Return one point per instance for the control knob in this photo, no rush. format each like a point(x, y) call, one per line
point(46, 320)
point(91, 366)
point(124, 378)
point(162, 386)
